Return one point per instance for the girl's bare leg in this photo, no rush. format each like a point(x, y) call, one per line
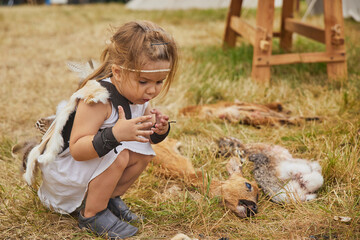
point(102, 187)
point(137, 164)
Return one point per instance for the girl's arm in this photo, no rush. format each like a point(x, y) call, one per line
point(87, 122)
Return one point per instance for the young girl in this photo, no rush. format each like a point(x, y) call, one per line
point(100, 141)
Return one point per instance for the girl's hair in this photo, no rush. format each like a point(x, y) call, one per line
point(132, 45)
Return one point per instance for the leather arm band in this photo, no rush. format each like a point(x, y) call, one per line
point(104, 141)
point(156, 138)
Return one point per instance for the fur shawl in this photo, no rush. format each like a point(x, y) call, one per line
point(52, 142)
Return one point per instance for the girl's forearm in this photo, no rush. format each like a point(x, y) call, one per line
point(83, 149)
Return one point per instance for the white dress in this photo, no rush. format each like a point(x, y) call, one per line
point(65, 180)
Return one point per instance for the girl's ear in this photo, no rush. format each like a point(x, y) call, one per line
point(116, 70)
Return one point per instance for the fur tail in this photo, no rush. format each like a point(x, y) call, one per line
point(31, 164)
point(24, 149)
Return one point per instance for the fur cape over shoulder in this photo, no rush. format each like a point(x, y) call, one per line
point(52, 142)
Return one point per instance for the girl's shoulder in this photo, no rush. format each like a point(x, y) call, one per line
point(93, 98)
point(92, 92)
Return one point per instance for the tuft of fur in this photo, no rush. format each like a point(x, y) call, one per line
point(181, 236)
point(281, 177)
point(23, 149)
point(43, 124)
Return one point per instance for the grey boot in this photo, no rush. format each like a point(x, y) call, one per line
point(106, 224)
point(119, 209)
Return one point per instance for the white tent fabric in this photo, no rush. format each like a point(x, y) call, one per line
point(351, 8)
point(187, 4)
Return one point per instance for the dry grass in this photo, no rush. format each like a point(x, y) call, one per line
point(35, 43)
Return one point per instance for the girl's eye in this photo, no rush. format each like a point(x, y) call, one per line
point(142, 82)
point(160, 82)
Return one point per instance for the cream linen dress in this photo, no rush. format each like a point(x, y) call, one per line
point(65, 180)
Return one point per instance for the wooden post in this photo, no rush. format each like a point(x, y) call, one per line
point(286, 36)
point(334, 38)
point(230, 34)
point(263, 37)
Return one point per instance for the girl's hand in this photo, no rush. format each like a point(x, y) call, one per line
point(132, 129)
point(162, 122)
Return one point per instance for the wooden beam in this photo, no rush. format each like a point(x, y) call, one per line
point(264, 21)
point(276, 34)
point(307, 30)
point(230, 34)
point(292, 58)
point(286, 36)
point(334, 29)
point(243, 28)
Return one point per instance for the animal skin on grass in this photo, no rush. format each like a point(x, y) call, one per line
point(239, 194)
point(272, 114)
point(281, 176)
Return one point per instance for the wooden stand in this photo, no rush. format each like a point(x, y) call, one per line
point(262, 34)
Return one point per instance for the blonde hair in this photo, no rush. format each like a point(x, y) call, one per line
point(132, 45)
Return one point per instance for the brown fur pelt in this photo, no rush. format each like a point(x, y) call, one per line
point(239, 194)
point(281, 176)
point(272, 114)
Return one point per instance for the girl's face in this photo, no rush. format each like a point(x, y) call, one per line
point(142, 87)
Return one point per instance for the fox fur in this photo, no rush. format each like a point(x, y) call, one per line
point(281, 176)
point(240, 195)
point(272, 114)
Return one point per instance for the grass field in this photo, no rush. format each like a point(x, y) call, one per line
point(35, 43)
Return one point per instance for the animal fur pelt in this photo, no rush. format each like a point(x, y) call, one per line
point(281, 176)
point(52, 141)
point(272, 114)
point(240, 195)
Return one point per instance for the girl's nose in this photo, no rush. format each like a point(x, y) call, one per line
point(151, 90)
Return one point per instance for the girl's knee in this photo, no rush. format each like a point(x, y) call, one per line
point(144, 160)
point(147, 159)
point(140, 159)
point(122, 160)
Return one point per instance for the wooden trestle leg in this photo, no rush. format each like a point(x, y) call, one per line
point(334, 38)
point(230, 34)
point(263, 40)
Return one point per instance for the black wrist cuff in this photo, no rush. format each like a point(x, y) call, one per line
point(156, 138)
point(104, 141)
